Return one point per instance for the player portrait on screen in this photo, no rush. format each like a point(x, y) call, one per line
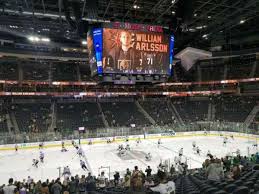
point(129, 51)
point(121, 56)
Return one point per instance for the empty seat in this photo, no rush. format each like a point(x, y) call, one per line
point(211, 190)
point(230, 188)
point(242, 190)
point(221, 192)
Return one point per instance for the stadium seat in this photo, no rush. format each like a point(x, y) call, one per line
point(221, 192)
point(249, 184)
point(241, 190)
point(230, 188)
point(211, 190)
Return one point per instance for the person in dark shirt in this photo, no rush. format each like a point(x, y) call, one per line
point(122, 58)
point(148, 171)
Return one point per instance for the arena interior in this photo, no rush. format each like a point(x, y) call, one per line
point(129, 97)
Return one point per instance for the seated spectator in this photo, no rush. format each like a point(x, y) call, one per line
point(236, 172)
point(164, 187)
point(215, 170)
point(148, 183)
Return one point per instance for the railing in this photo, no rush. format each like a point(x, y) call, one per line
point(67, 134)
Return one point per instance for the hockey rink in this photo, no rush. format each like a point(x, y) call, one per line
point(104, 157)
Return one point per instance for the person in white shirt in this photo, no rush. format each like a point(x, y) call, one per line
point(10, 188)
point(102, 180)
point(165, 188)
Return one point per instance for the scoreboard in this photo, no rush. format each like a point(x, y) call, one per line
point(123, 48)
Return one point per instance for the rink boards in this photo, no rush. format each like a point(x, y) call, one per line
point(131, 138)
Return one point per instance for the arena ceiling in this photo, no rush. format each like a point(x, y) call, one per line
point(197, 23)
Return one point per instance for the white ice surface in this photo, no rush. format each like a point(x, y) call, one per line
point(19, 165)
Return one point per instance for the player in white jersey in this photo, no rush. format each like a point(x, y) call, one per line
point(35, 163)
point(66, 171)
point(122, 151)
point(225, 139)
point(127, 147)
point(83, 165)
point(41, 156)
point(194, 145)
point(198, 150)
point(80, 152)
point(159, 142)
point(181, 152)
point(255, 145)
point(148, 156)
point(120, 147)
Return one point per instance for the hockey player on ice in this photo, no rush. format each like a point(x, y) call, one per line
point(41, 156)
point(66, 171)
point(127, 147)
point(63, 149)
point(122, 151)
point(181, 152)
point(193, 145)
point(109, 141)
point(16, 148)
point(35, 163)
point(120, 147)
point(90, 142)
point(80, 152)
point(198, 150)
point(225, 139)
point(83, 166)
point(148, 157)
point(41, 145)
point(138, 140)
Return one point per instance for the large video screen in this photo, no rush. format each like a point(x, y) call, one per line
point(136, 52)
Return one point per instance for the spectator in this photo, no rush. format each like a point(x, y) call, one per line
point(236, 172)
point(44, 188)
point(172, 170)
point(215, 170)
point(56, 187)
point(90, 184)
point(137, 179)
point(127, 179)
point(10, 188)
point(148, 171)
point(37, 188)
point(73, 186)
point(102, 180)
point(82, 186)
point(116, 178)
point(22, 189)
point(148, 183)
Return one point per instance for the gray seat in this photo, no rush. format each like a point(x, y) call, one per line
point(242, 190)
